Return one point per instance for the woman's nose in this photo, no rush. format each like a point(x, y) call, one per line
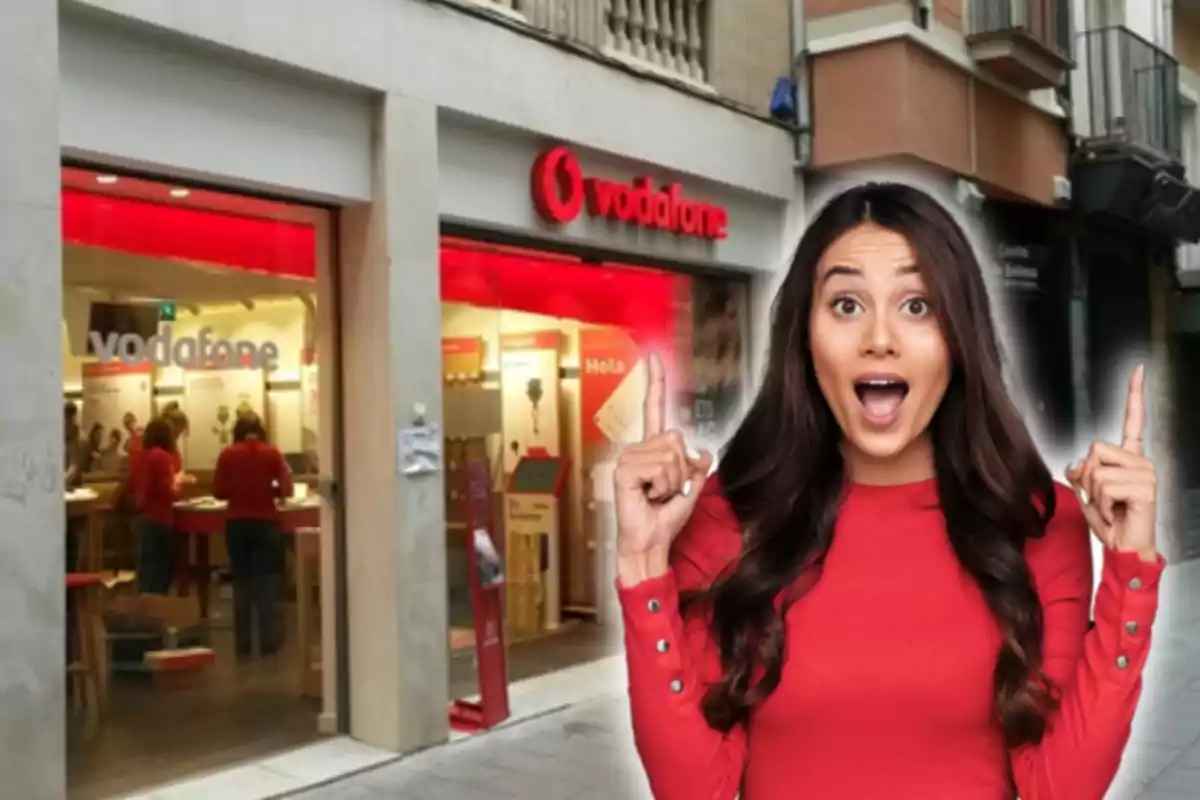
point(878, 337)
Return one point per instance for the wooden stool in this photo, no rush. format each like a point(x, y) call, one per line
point(87, 670)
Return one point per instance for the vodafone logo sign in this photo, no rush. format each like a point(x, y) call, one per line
point(561, 192)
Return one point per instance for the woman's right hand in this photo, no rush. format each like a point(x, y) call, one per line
point(656, 485)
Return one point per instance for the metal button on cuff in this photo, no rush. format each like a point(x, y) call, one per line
point(1131, 627)
point(654, 606)
point(662, 646)
point(1122, 662)
point(676, 686)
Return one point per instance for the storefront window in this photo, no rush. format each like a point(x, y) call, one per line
point(544, 368)
point(195, 381)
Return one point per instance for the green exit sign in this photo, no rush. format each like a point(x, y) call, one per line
point(166, 311)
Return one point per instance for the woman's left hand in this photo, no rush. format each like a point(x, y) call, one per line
point(1117, 485)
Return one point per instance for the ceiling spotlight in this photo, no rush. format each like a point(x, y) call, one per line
point(180, 192)
point(107, 180)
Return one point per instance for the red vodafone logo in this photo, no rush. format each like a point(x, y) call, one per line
point(558, 185)
point(561, 192)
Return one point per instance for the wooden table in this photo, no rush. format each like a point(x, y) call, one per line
point(90, 557)
point(198, 522)
point(302, 520)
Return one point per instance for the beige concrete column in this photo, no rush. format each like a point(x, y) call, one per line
point(391, 358)
point(32, 528)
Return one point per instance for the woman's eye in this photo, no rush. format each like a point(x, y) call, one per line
point(917, 307)
point(845, 306)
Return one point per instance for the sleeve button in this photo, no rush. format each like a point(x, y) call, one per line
point(1131, 627)
point(1122, 662)
point(1135, 584)
point(676, 686)
point(654, 606)
point(662, 646)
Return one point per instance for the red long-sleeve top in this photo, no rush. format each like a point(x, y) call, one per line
point(250, 476)
point(135, 456)
point(887, 687)
point(154, 484)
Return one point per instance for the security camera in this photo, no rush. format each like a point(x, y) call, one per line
point(969, 196)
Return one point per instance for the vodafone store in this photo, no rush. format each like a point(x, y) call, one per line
point(194, 317)
point(561, 272)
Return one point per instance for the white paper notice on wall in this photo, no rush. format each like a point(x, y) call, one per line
point(419, 450)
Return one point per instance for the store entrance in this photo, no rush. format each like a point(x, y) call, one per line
point(544, 376)
point(200, 409)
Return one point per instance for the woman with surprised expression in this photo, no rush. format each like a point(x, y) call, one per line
point(881, 592)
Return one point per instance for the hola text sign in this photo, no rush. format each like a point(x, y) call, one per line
point(561, 192)
point(202, 351)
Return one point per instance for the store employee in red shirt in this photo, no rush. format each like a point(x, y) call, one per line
point(251, 476)
point(157, 483)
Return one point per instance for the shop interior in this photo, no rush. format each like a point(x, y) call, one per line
point(544, 377)
point(156, 688)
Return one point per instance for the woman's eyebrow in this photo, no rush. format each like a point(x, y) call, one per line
point(854, 272)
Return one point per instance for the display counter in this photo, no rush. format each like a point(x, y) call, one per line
point(201, 517)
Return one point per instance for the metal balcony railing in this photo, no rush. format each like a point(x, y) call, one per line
point(1047, 22)
point(1132, 92)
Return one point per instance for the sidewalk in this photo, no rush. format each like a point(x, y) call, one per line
point(582, 753)
point(585, 752)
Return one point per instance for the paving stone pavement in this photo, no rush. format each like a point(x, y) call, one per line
point(580, 753)
point(585, 752)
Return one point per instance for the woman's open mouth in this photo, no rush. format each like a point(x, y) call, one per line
point(881, 397)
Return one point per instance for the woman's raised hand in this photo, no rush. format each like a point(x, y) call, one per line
point(1117, 484)
point(657, 482)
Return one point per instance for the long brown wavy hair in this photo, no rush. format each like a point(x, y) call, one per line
point(783, 475)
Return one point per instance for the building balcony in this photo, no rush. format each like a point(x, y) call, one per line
point(1130, 94)
point(1025, 43)
point(734, 51)
point(664, 37)
point(667, 36)
point(1129, 123)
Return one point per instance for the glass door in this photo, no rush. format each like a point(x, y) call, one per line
point(200, 402)
point(544, 370)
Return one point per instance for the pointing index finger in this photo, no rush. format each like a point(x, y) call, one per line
point(654, 410)
point(1135, 412)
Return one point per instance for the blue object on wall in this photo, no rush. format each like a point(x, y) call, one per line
point(783, 100)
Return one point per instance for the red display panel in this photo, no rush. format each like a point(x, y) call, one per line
point(640, 301)
point(160, 230)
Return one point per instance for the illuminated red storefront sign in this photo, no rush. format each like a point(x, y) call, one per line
point(561, 192)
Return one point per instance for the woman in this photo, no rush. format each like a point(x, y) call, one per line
point(881, 592)
point(109, 459)
point(180, 428)
point(157, 483)
point(251, 475)
point(73, 447)
point(132, 433)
